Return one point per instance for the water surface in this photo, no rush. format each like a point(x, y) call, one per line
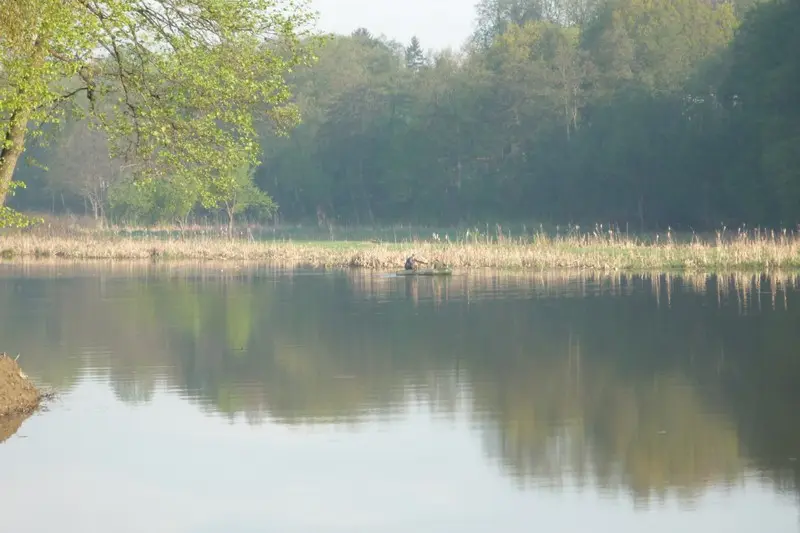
point(243, 399)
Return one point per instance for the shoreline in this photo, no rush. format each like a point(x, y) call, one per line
point(19, 396)
point(539, 253)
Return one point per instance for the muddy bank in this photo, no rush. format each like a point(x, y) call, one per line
point(18, 395)
point(9, 425)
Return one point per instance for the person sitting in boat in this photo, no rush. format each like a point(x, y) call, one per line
point(412, 261)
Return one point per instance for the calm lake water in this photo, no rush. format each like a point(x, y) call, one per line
point(247, 399)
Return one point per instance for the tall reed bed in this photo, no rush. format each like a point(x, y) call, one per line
point(601, 249)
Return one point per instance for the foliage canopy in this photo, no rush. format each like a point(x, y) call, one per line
point(178, 86)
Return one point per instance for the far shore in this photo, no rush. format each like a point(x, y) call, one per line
point(596, 252)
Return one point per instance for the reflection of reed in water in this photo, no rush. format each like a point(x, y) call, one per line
point(747, 289)
point(143, 269)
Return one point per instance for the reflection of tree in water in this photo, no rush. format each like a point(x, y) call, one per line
point(763, 372)
point(654, 405)
point(571, 380)
point(649, 437)
point(134, 391)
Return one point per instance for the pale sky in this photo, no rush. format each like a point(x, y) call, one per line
point(437, 23)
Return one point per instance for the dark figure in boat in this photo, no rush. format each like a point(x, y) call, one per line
point(412, 261)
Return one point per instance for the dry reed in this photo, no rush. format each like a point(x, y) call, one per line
point(598, 251)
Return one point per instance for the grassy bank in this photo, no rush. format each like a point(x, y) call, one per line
point(595, 251)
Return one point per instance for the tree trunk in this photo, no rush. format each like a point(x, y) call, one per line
point(14, 141)
point(13, 147)
point(181, 226)
point(93, 201)
point(229, 208)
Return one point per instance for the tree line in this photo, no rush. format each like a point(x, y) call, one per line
point(645, 114)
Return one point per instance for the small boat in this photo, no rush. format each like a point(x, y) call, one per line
point(425, 272)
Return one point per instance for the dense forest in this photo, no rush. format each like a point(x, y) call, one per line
point(642, 113)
